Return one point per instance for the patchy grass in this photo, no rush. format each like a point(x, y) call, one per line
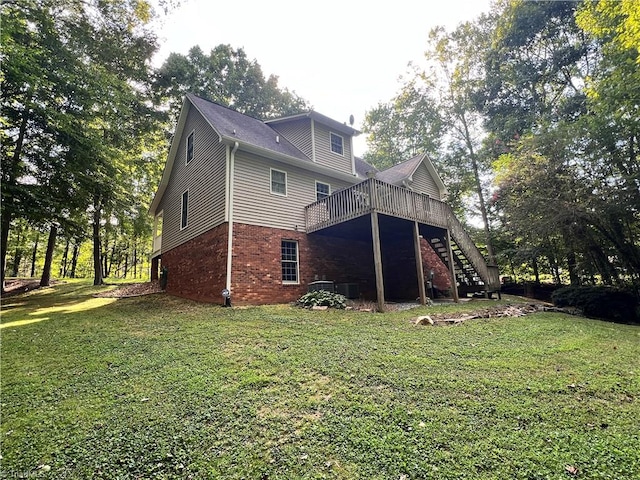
point(158, 387)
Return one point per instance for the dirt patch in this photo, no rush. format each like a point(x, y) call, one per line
point(16, 286)
point(132, 290)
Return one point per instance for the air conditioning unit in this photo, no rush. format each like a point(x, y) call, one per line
point(349, 290)
point(321, 285)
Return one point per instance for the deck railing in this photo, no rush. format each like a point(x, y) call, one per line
point(369, 195)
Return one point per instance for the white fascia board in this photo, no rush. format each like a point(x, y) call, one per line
point(171, 157)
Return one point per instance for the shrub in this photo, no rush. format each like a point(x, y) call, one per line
point(602, 302)
point(322, 298)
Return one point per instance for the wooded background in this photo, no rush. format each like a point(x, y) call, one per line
point(531, 114)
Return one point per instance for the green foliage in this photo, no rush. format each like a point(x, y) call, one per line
point(160, 387)
point(600, 302)
point(225, 76)
point(321, 298)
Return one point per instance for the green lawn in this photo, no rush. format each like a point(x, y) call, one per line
point(159, 387)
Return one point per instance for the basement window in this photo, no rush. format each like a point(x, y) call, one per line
point(337, 143)
point(289, 261)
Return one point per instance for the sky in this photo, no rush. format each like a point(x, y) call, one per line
point(342, 57)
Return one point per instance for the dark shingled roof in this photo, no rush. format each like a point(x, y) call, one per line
point(363, 167)
point(401, 171)
point(234, 125)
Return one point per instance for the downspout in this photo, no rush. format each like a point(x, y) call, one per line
point(232, 160)
point(353, 157)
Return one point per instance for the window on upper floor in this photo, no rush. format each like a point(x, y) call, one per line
point(289, 250)
point(323, 190)
point(184, 210)
point(190, 147)
point(337, 143)
point(278, 182)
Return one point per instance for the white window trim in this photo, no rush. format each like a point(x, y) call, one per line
point(322, 183)
point(331, 144)
point(286, 182)
point(290, 282)
point(186, 147)
point(182, 210)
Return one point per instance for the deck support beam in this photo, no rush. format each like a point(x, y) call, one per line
point(452, 272)
point(419, 266)
point(377, 259)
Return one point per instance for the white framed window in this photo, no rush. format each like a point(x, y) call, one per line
point(278, 182)
point(290, 270)
point(337, 143)
point(323, 190)
point(189, 155)
point(184, 210)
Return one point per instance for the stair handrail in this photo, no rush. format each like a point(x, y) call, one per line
point(488, 273)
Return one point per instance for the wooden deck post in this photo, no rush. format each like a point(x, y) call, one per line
point(452, 271)
point(377, 260)
point(419, 266)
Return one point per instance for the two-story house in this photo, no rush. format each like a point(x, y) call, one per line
point(265, 208)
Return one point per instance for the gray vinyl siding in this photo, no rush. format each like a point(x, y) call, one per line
point(324, 155)
point(298, 132)
point(424, 183)
point(253, 202)
point(203, 177)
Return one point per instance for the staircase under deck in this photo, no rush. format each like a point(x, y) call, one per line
point(371, 197)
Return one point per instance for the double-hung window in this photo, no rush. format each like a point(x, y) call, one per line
point(190, 147)
point(323, 190)
point(289, 261)
point(337, 143)
point(278, 182)
point(184, 210)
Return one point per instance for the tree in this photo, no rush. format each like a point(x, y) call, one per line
point(436, 113)
point(225, 76)
point(74, 105)
point(560, 104)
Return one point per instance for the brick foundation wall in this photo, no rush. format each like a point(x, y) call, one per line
point(431, 260)
point(256, 269)
point(197, 269)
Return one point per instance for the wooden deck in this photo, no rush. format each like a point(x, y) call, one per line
point(376, 196)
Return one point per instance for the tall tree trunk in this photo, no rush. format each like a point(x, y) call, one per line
point(45, 280)
point(6, 223)
point(135, 261)
point(11, 169)
point(126, 263)
point(34, 255)
point(536, 273)
point(483, 205)
point(17, 257)
point(97, 246)
point(74, 260)
point(65, 258)
point(572, 267)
